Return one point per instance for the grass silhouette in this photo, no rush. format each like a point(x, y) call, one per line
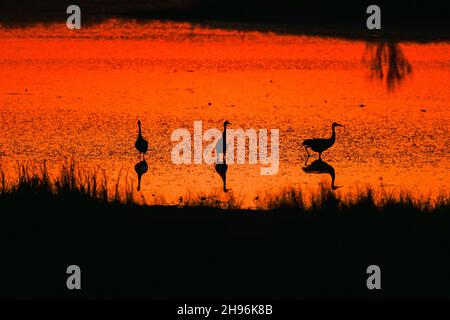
point(299, 246)
point(75, 186)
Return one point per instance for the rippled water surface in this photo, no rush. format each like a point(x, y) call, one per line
point(78, 94)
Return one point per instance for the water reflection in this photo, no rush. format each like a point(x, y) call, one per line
point(221, 169)
point(321, 167)
point(141, 168)
point(387, 61)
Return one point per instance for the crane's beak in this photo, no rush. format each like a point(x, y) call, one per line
point(340, 125)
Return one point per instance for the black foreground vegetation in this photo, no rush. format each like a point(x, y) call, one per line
point(292, 250)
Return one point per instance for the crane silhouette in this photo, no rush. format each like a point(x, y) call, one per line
point(320, 145)
point(141, 168)
point(141, 144)
point(221, 164)
point(320, 167)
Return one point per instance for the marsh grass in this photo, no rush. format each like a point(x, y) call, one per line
point(74, 185)
point(366, 199)
point(214, 199)
point(71, 184)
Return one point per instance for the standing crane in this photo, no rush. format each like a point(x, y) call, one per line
point(320, 145)
point(141, 144)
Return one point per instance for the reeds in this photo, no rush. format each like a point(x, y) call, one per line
point(368, 199)
point(228, 201)
point(74, 186)
point(71, 184)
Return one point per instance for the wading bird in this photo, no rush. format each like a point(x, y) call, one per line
point(320, 145)
point(221, 164)
point(141, 144)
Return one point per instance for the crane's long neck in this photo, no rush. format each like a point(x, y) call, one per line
point(333, 134)
point(139, 132)
point(224, 143)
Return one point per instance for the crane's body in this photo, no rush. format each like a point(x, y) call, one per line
point(320, 145)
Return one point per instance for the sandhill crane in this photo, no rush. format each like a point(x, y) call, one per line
point(221, 164)
point(320, 145)
point(141, 144)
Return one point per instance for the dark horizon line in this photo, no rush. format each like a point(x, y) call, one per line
point(417, 20)
point(395, 34)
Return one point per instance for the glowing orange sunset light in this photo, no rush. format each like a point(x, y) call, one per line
point(66, 95)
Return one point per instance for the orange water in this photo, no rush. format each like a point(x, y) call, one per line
point(78, 94)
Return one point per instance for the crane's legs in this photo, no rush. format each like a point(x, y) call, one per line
point(308, 156)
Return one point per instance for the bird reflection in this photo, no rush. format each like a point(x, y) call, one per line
point(221, 169)
point(141, 168)
point(221, 149)
point(321, 167)
point(387, 60)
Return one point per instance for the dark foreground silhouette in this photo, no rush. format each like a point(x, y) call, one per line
point(291, 251)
